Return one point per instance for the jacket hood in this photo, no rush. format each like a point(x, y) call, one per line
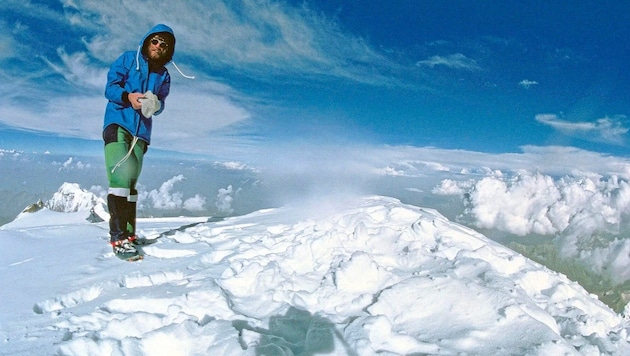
point(168, 35)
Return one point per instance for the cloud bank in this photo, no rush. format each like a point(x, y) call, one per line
point(584, 214)
point(534, 203)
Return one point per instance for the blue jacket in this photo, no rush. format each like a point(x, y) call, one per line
point(130, 73)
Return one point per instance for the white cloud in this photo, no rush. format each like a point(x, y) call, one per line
point(454, 61)
point(224, 200)
point(410, 161)
point(196, 203)
point(535, 203)
point(609, 259)
point(580, 212)
point(264, 38)
point(78, 70)
point(236, 166)
point(192, 115)
point(79, 116)
point(165, 198)
point(7, 45)
point(193, 111)
point(412, 168)
point(10, 153)
point(607, 129)
point(71, 163)
point(525, 83)
point(452, 187)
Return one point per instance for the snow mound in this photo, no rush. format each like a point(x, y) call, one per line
point(373, 276)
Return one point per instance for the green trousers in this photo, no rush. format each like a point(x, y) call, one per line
point(122, 173)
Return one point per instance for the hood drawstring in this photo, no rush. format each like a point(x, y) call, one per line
point(138, 57)
point(172, 61)
point(124, 159)
point(180, 72)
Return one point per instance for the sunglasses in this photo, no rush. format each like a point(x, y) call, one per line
point(156, 40)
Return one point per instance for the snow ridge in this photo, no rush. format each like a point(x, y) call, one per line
point(371, 276)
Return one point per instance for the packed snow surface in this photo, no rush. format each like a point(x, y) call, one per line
point(359, 276)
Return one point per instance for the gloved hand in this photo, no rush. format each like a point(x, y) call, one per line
point(150, 104)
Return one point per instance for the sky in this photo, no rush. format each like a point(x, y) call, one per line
point(479, 76)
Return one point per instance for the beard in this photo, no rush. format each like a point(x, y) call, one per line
point(156, 54)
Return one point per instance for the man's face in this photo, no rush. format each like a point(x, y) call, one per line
point(157, 48)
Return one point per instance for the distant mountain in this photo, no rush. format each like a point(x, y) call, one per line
point(71, 198)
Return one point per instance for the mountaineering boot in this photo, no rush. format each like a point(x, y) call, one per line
point(123, 247)
point(124, 250)
point(119, 216)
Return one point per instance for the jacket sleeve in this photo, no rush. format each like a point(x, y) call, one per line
point(163, 93)
point(116, 79)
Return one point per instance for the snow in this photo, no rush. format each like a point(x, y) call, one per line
point(353, 276)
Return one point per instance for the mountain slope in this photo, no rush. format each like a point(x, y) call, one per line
point(359, 276)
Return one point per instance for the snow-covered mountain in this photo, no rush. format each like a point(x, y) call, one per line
point(72, 198)
point(346, 276)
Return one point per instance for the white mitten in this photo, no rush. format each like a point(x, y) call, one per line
point(150, 104)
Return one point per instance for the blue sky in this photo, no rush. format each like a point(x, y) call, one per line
point(480, 76)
